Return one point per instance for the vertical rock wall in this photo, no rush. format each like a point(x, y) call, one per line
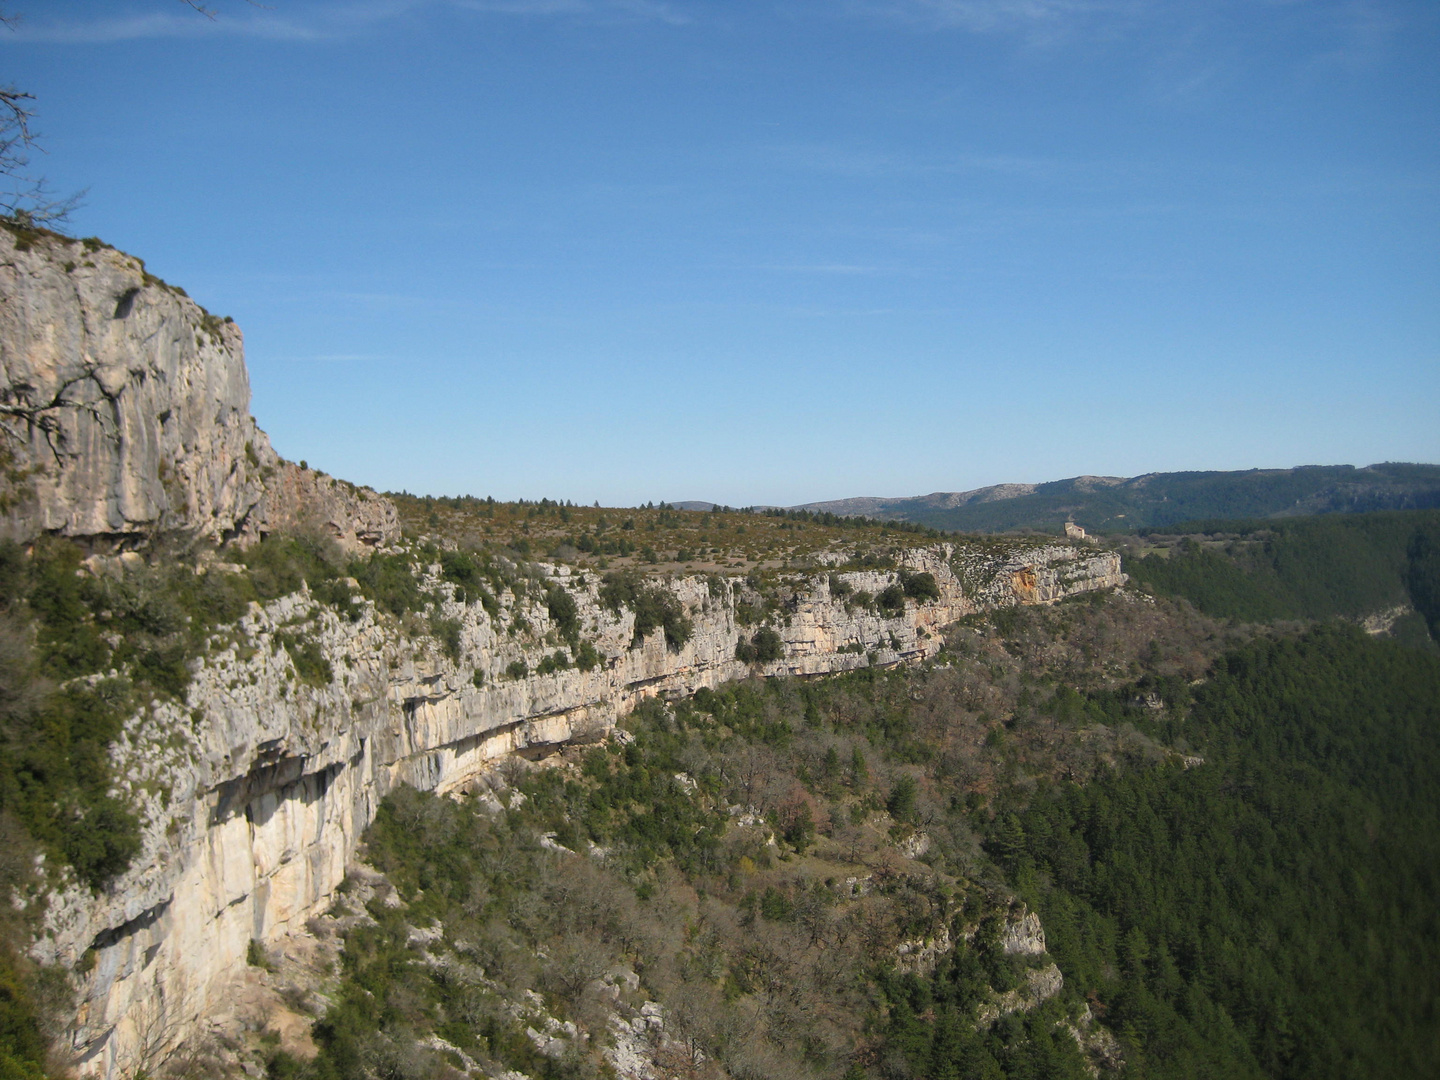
point(125, 411)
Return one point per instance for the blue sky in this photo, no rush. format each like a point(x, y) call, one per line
point(774, 252)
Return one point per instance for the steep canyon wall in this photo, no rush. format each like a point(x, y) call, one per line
point(124, 412)
point(256, 790)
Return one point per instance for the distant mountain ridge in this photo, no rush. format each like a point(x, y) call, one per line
point(1115, 503)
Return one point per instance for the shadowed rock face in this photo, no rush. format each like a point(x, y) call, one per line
point(305, 500)
point(125, 410)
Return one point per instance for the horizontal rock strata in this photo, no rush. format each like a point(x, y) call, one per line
point(256, 791)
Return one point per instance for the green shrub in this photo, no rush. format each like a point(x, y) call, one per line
point(517, 669)
point(69, 641)
point(775, 905)
point(586, 656)
point(564, 612)
point(165, 668)
point(921, 587)
point(556, 661)
point(389, 580)
point(468, 574)
point(766, 645)
point(100, 837)
point(901, 802)
point(255, 955)
point(279, 564)
point(23, 1049)
point(653, 605)
point(311, 665)
point(447, 632)
point(748, 614)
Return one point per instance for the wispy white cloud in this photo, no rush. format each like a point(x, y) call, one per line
point(312, 22)
point(649, 10)
point(131, 27)
point(316, 22)
point(979, 16)
point(846, 161)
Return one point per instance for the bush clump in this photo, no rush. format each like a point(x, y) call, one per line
point(921, 587)
point(891, 600)
point(765, 646)
point(564, 612)
point(653, 606)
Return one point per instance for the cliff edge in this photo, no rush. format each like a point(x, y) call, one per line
point(125, 412)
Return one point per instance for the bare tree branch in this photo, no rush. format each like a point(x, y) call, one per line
point(25, 198)
point(16, 404)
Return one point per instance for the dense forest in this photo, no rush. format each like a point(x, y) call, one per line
point(1267, 912)
point(1342, 565)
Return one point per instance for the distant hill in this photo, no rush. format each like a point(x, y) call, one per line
point(1116, 504)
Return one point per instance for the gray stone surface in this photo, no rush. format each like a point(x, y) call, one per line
point(255, 791)
point(125, 410)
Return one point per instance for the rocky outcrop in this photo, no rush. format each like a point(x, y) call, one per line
point(126, 407)
point(1024, 936)
point(256, 790)
point(125, 410)
point(301, 500)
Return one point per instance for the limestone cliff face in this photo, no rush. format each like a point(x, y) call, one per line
point(125, 410)
point(125, 404)
point(302, 499)
point(256, 790)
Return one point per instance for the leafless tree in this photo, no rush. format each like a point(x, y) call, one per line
point(24, 197)
point(574, 962)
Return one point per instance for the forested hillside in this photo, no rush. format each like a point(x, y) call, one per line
point(1119, 504)
point(1270, 912)
point(1231, 837)
point(1348, 566)
point(1219, 795)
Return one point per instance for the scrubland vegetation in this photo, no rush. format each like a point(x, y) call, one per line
point(649, 537)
